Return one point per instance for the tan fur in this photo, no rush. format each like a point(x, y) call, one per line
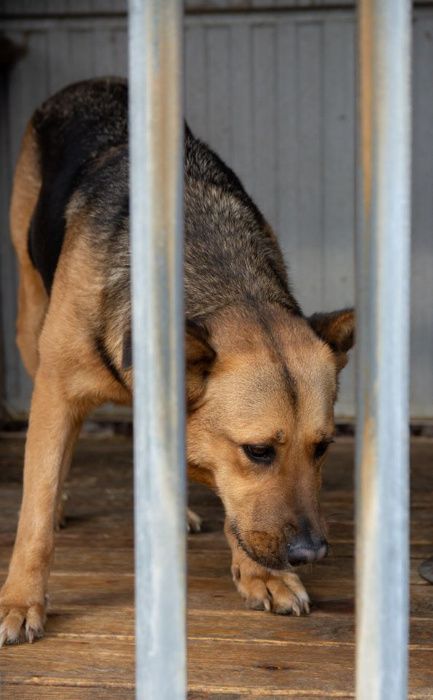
point(237, 395)
point(32, 297)
point(246, 403)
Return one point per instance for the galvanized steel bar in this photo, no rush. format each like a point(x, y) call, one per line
point(156, 171)
point(383, 349)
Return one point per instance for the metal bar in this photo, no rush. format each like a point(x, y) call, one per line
point(156, 172)
point(383, 249)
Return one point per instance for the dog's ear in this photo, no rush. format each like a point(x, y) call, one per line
point(199, 356)
point(336, 328)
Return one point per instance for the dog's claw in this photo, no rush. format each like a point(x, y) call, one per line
point(33, 633)
point(258, 603)
point(60, 518)
point(296, 610)
point(194, 522)
point(34, 626)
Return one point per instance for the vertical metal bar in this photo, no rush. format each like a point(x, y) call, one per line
point(156, 172)
point(383, 348)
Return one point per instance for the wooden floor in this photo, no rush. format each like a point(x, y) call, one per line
point(233, 653)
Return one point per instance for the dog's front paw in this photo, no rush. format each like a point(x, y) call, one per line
point(20, 620)
point(279, 592)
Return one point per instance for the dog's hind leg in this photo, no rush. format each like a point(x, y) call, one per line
point(32, 297)
point(32, 305)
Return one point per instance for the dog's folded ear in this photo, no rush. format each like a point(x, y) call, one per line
point(199, 356)
point(336, 328)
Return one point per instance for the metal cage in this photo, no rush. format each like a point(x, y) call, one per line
point(382, 256)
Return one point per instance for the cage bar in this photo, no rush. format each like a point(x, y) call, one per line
point(156, 172)
point(382, 260)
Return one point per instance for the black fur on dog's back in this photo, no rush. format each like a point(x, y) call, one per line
point(72, 128)
point(231, 255)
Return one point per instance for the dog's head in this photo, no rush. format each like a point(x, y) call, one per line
point(261, 388)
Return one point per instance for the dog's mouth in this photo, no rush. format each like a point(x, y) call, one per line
point(270, 560)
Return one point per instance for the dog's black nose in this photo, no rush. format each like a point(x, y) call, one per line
point(305, 548)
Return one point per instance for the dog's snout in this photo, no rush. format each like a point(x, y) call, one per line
point(305, 548)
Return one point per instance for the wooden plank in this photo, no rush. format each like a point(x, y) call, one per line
point(274, 669)
point(19, 691)
point(327, 629)
point(222, 694)
point(81, 663)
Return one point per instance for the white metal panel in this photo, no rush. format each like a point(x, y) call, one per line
point(57, 8)
point(274, 94)
point(422, 214)
point(338, 177)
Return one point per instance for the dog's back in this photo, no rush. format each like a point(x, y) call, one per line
point(78, 140)
point(82, 141)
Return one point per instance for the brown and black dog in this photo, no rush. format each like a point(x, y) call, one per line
point(261, 378)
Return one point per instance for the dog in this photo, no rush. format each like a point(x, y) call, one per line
point(261, 377)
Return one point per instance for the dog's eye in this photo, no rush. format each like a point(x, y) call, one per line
point(320, 448)
point(262, 454)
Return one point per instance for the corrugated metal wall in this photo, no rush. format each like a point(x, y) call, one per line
point(274, 93)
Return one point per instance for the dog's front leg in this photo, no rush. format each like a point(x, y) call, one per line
point(52, 429)
point(280, 592)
